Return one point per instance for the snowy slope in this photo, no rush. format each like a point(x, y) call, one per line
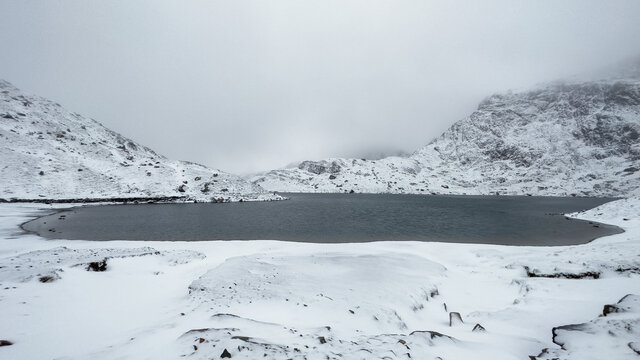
point(559, 139)
point(47, 152)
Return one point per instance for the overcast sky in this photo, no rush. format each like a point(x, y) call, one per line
point(254, 85)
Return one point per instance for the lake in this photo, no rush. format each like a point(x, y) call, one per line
point(338, 218)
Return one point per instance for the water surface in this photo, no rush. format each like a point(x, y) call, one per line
point(338, 218)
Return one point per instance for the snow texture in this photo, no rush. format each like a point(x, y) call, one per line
point(49, 153)
point(560, 139)
point(47, 265)
point(618, 324)
point(245, 299)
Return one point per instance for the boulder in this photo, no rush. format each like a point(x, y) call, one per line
point(225, 354)
point(455, 318)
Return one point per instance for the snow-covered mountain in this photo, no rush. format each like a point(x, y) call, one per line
point(578, 138)
point(47, 152)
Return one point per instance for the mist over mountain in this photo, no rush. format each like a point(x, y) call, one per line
point(50, 153)
point(563, 138)
point(281, 82)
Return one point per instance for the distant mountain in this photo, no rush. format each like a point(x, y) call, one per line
point(580, 138)
point(47, 152)
point(378, 154)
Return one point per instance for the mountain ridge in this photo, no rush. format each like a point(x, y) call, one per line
point(50, 154)
point(559, 139)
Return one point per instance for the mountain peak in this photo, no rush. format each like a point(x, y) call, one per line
point(562, 138)
point(49, 153)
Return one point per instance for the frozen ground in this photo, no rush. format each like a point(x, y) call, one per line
point(269, 299)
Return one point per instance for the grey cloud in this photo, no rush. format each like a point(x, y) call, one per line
point(253, 85)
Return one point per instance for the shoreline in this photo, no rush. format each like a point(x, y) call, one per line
point(142, 306)
point(606, 229)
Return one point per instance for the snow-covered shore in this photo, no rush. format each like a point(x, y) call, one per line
point(271, 299)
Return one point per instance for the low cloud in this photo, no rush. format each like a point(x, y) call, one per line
point(253, 85)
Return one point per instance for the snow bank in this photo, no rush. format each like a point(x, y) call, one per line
point(615, 334)
point(381, 292)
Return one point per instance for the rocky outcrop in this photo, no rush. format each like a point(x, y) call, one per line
point(560, 139)
point(50, 154)
point(613, 335)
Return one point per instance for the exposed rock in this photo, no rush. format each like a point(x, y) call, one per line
point(225, 354)
point(571, 139)
point(110, 166)
point(283, 342)
point(320, 167)
point(52, 262)
point(562, 275)
point(455, 318)
point(629, 303)
point(97, 265)
point(49, 278)
point(616, 333)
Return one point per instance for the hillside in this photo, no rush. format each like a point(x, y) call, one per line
point(580, 138)
point(49, 153)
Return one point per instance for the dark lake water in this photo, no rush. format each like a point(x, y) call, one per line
point(338, 218)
